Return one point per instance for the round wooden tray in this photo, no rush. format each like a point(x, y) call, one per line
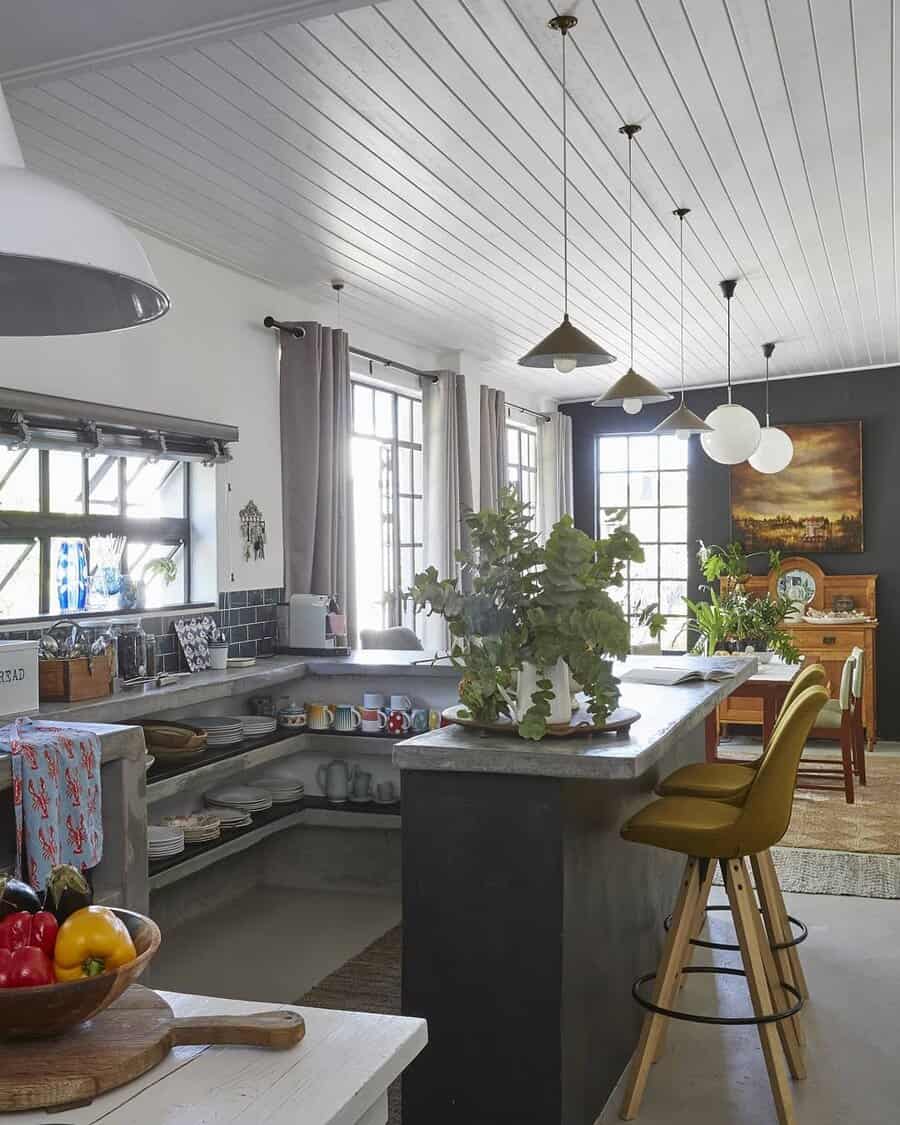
point(618, 722)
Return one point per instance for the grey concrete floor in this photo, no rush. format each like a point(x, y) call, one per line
point(272, 944)
point(716, 1075)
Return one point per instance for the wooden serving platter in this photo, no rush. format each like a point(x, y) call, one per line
point(120, 1044)
point(582, 722)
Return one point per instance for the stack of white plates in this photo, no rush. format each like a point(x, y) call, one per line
point(232, 818)
point(198, 828)
point(255, 726)
point(163, 840)
point(221, 730)
point(245, 797)
point(282, 787)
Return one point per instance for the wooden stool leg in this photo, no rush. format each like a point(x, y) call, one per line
point(700, 920)
point(859, 743)
point(744, 911)
point(683, 922)
point(767, 879)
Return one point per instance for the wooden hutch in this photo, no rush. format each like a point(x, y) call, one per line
point(828, 643)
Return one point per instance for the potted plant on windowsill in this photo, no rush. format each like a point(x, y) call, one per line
point(526, 620)
point(163, 568)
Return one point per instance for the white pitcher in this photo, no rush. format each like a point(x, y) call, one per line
point(558, 675)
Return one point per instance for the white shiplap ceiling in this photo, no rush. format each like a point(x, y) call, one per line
point(413, 148)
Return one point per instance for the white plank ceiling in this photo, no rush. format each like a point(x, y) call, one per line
point(413, 149)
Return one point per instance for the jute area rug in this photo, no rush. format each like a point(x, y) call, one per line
point(369, 982)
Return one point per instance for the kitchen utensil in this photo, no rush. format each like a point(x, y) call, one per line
point(31, 1013)
point(335, 780)
point(385, 793)
point(123, 1042)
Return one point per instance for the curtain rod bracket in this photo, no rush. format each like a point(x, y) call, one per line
point(294, 329)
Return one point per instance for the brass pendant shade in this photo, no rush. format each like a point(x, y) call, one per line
point(631, 385)
point(565, 348)
point(566, 340)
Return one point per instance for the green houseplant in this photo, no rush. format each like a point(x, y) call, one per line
point(519, 603)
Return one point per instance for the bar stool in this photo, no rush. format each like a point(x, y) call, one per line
point(706, 832)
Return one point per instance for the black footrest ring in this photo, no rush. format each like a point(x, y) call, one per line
point(728, 1021)
point(801, 937)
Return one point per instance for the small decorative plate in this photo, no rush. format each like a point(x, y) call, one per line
point(797, 586)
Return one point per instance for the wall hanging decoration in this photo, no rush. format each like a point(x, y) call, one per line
point(775, 449)
point(815, 504)
point(735, 431)
point(566, 347)
point(253, 532)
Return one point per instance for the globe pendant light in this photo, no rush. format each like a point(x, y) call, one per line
point(682, 422)
point(566, 347)
point(776, 450)
point(735, 431)
point(632, 390)
point(67, 265)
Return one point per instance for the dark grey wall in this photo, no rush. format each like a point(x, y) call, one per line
point(873, 397)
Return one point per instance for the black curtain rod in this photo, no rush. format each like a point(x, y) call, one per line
point(294, 329)
point(528, 410)
point(299, 333)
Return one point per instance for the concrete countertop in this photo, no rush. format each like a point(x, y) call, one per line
point(382, 662)
point(115, 742)
point(667, 715)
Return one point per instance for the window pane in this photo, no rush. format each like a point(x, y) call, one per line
point(642, 452)
point(69, 576)
point(675, 635)
point(19, 489)
point(19, 571)
point(405, 521)
point(103, 485)
point(612, 454)
point(404, 419)
point(384, 414)
point(512, 445)
point(639, 634)
point(673, 525)
point(154, 490)
point(671, 597)
point(649, 568)
point(418, 483)
point(643, 522)
point(159, 591)
point(643, 489)
point(612, 490)
point(643, 594)
point(363, 410)
point(530, 444)
point(418, 528)
point(417, 422)
point(405, 459)
point(66, 492)
point(673, 488)
point(406, 568)
point(673, 561)
point(673, 453)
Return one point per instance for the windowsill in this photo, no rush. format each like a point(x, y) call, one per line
point(118, 617)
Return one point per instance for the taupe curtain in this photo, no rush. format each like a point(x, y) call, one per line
point(316, 484)
point(554, 470)
point(448, 483)
point(493, 446)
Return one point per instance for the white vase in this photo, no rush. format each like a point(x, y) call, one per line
point(558, 675)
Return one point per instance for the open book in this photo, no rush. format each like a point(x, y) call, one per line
point(669, 675)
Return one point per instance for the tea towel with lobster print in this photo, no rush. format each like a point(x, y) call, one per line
point(56, 795)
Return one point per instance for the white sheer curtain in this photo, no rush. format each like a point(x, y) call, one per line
point(554, 470)
point(493, 446)
point(448, 484)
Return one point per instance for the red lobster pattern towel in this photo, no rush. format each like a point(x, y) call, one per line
point(56, 794)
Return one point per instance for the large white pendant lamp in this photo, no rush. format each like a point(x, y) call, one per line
point(632, 390)
point(682, 422)
point(735, 431)
point(67, 266)
point(776, 450)
point(566, 347)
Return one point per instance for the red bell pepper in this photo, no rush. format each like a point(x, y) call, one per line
point(5, 968)
point(30, 967)
point(26, 949)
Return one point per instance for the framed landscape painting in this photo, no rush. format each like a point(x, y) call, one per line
point(815, 504)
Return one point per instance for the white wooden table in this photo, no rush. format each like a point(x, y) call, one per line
point(338, 1075)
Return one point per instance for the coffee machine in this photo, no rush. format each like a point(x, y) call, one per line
point(311, 624)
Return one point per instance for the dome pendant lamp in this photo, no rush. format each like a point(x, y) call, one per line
point(67, 265)
point(566, 347)
point(776, 450)
point(632, 390)
point(682, 422)
point(735, 431)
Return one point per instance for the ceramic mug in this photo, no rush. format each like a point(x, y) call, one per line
point(418, 720)
point(385, 793)
point(373, 701)
point(434, 720)
point(400, 703)
point(346, 718)
point(398, 722)
point(362, 786)
point(374, 720)
point(319, 716)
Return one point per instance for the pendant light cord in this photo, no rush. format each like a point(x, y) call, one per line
point(767, 391)
point(681, 291)
point(630, 257)
point(565, 171)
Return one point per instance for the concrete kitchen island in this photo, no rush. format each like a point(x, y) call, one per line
point(526, 917)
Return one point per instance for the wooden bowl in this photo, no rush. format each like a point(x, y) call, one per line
point(35, 1013)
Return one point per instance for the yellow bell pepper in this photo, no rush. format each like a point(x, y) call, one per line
point(91, 941)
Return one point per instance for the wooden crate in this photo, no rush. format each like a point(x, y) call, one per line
point(81, 677)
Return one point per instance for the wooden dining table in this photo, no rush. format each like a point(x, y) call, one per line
point(770, 684)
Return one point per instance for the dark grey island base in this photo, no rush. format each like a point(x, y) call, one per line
point(526, 917)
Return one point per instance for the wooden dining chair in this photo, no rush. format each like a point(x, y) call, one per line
point(836, 717)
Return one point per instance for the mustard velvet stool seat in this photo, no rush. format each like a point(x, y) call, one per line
point(710, 831)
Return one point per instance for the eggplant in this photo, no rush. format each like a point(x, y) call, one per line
point(67, 891)
point(16, 895)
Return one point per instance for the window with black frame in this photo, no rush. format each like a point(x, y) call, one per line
point(521, 464)
point(388, 506)
point(78, 533)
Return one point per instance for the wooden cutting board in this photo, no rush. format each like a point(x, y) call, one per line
point(120, 1044)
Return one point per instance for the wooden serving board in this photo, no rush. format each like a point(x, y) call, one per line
point(121, 1043)
point(582, 722)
